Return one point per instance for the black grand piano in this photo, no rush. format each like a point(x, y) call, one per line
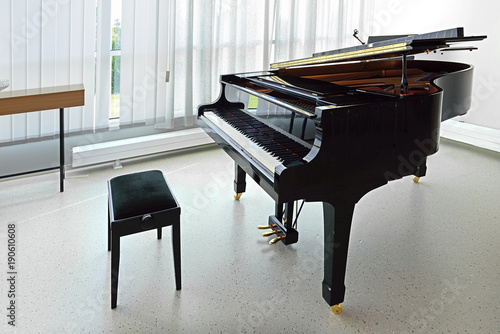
point(332, 127)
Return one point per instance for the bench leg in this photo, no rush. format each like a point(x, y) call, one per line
point(159, 233)
point(109, 233)
point(115, 264)
point(176, 241)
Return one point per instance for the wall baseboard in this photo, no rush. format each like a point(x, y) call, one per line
point(138, 146)
point(475, 135)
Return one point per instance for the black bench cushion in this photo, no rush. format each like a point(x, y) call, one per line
point(139, 194)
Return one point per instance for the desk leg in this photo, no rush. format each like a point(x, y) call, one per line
point(61, 149)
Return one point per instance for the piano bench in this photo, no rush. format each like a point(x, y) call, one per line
point(136, 203)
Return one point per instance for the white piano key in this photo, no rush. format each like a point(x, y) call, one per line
point(250, 148)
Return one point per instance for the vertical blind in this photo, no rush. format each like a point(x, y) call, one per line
point(172, 52)
point(145, 28)
point(193, 42)
point(47, 43)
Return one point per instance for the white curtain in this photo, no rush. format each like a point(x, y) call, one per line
point(305, 27)
point(47, 43)
point(195, 41)
point(190, 42)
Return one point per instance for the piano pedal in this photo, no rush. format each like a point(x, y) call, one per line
point(268, 234)
point(237, 196)
point(265, 227)
point(275, 240)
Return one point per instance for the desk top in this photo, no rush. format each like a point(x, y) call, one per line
point(45, 98)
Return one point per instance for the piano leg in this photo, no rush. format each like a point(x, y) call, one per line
point(337, 222)
point(421, 170)
point(239, 182)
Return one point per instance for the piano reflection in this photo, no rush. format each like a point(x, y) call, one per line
point(332, 127)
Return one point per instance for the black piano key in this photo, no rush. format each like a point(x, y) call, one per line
point(277, 144)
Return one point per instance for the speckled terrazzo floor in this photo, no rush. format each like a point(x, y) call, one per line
point(423, 257)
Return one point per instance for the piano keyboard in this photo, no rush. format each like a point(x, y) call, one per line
point(266, 145)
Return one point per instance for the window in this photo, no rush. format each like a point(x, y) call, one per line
point(115, 55)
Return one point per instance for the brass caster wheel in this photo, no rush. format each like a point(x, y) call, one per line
point(337, 309)
point(416, 179)
point(237, 196)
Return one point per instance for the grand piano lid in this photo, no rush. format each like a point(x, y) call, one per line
point(388, 48)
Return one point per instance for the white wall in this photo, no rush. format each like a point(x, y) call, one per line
point(480, 17)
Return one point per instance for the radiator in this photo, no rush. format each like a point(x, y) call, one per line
point(138, 146)
point(471, 134)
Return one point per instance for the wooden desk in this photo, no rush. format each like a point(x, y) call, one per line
point(29, 100)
